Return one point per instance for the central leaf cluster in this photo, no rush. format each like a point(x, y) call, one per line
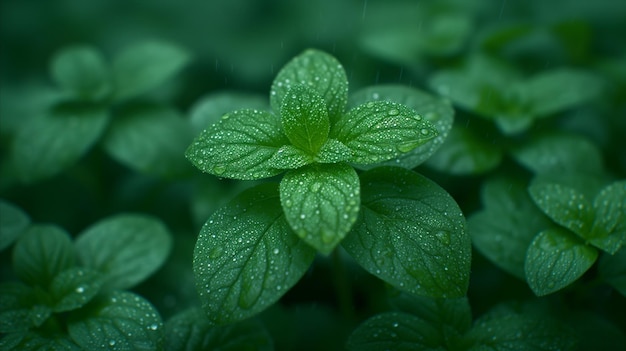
point(311, 136)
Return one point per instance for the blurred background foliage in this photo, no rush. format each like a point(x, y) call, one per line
point(239, 45)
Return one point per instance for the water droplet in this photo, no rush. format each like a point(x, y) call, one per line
point(370, 104)
point(153, 326)
point(425, 131)
point(393, 112)
point(219, 169)
point(316, 187)
point(216, 252)
point(443, 236)
point(112, 342)
point(80, 289)
point(406, 147)
point(226, 116)
point(276, 251)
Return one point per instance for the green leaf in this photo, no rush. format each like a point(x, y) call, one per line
point(73, 288)
point(609, 228)
point(34, 341)
point(507, 224)
point(435, 110)
point(209, 109)
point(318, 71)
point(555, 259)
point(82, 71)
point(451, 318)
point(305, 118)
point(558, 153)
point(504, 329)
point(563, 204)
point(125, 248)
point(47, 144)
point(559, 89)
point(16, 307)
point(246, 257)
point(145, 66)
point(191, 330)
point(613, 270)
point(464, 153)
point(289, 157)
point(41, 253)
point(481, 85)
point(13, 222)
point(121, 321)
point(378, 131)
point(411, 234)
point(239, 146)
point(149, 138)
point(333, 151)
point(395, 331)
point(321, 203)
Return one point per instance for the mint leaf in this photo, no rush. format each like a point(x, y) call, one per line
point(435, 110)
point(321, 203)
point(563, 204)
point(559, 89)
point(145, 66)
point(555, 259)
point(609, 228)
point(613, 270)
point(381, 130)
point(13, 222)
point(557, 153)
point(450, 318)
point(482, 85)
point(464, 153)
point(120, 320)
point(42, 252)
point(82, 71)
point(333, 151)
point(289, 157)
point(246, 257)
point(305, 118)
point(318, 71)
point(73, 288)
point(47, 144)
point(507, 224)
point(210, 108)
point(16, 307)
point(411, 234)
point(394, 331)
point(125, 248)
point(239, 146)
point(191, 330)
point(504, 329)
point(149, 138)
point(35, 341)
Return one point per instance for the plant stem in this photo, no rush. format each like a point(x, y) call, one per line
point(342, 286)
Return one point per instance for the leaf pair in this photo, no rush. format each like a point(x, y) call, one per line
point(410, 233)
point(421, 323)
point(494, 90)
point(557, 257)
point(68, 125)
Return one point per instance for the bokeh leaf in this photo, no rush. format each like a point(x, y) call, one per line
point(126, 248)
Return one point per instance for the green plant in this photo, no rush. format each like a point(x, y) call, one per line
point(251, 251)
point(71, 294)
point(328, 221)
